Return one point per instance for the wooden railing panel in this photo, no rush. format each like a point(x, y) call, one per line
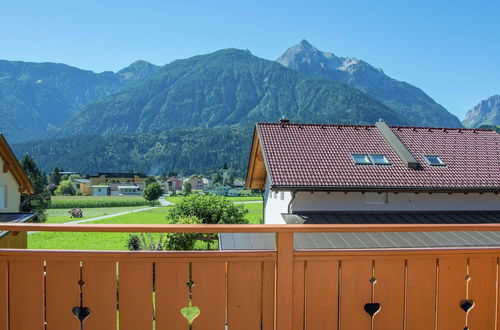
point(298, 294)
point(4, 295)
point(421, 294)
point(62, 294)
point(209, 294)
point(322, 294)
point(27, 304)
point(268, 285)
point(482, 290)
point(284, 280)
point(135, 295)
point(171, 295)
point(356, 291)
point(389, 292)
point(100, 294)
point(451, 290)
point(244, 295)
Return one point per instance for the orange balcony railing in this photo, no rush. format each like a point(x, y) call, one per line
point(282, 289)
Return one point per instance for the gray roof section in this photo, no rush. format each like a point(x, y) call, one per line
point(14, 217)
point(425, 217)
point(448, 239)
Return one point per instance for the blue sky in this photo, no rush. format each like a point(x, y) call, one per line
point(450, 49)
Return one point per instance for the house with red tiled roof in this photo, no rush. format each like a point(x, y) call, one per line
point(318, 173)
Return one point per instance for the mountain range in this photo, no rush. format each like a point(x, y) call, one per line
point(231, 88)
point(36, 97)
point(228, 87)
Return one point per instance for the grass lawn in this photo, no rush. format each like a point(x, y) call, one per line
point(62, 215)
point(113, 241)
point(254, 214)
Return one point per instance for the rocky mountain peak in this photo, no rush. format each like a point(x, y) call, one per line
point(405, 99)
point(486, 112)
point(137, 70)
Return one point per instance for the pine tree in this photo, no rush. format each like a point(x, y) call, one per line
point(40, 200)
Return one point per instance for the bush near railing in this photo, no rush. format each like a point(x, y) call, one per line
point(89, 202)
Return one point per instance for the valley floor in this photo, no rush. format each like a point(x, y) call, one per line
point(116, 241)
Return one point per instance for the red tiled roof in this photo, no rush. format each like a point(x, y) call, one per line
point(319, 156)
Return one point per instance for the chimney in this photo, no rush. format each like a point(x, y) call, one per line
point(284, 121)
point(396, 145)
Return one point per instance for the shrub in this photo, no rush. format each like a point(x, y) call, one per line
point(76, 213)
point(210, 209)
point(182, 241)
point(134, 242)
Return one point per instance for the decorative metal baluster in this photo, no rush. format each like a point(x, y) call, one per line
point(81, 312)
point(190, 312)
point(372, 307)
point(467, 304)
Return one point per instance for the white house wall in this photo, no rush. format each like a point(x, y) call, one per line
point(11, 188)
point(275, 204)
point(357, 201)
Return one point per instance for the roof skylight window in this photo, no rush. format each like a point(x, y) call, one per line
point(434, 160)
point(378, 159)
point(370, 159)
point(361, 159)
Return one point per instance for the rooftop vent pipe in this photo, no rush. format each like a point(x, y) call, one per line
point(396, 145)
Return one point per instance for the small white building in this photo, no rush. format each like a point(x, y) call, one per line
point(101, 190)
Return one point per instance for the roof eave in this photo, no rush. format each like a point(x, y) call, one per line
point(388, 189)
point(12, 165)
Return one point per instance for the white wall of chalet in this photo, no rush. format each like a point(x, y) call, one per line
point(277, 202)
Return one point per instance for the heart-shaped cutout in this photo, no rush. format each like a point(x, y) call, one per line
point(372, 308)
point(81, 313)
point(466, 305)
point(190, 313)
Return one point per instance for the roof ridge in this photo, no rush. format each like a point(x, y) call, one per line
point(365, 125)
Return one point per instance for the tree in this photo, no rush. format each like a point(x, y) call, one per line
point(52, 189)
point(186, 187)
point(152, 192)
point(210, 209)
point(150, 180)
point(40, 200)
point(55, 176)
point(65, 188)
point(216, 178)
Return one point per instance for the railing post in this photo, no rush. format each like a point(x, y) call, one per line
point(284, 281)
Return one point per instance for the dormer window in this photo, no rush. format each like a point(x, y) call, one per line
point(434, 160)
point(370, 159)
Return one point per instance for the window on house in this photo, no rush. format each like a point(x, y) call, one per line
point(370, 159)
point(3, 197)
point(378, 159)
point(434, 160)
point(282, 195)
point(361, 159)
